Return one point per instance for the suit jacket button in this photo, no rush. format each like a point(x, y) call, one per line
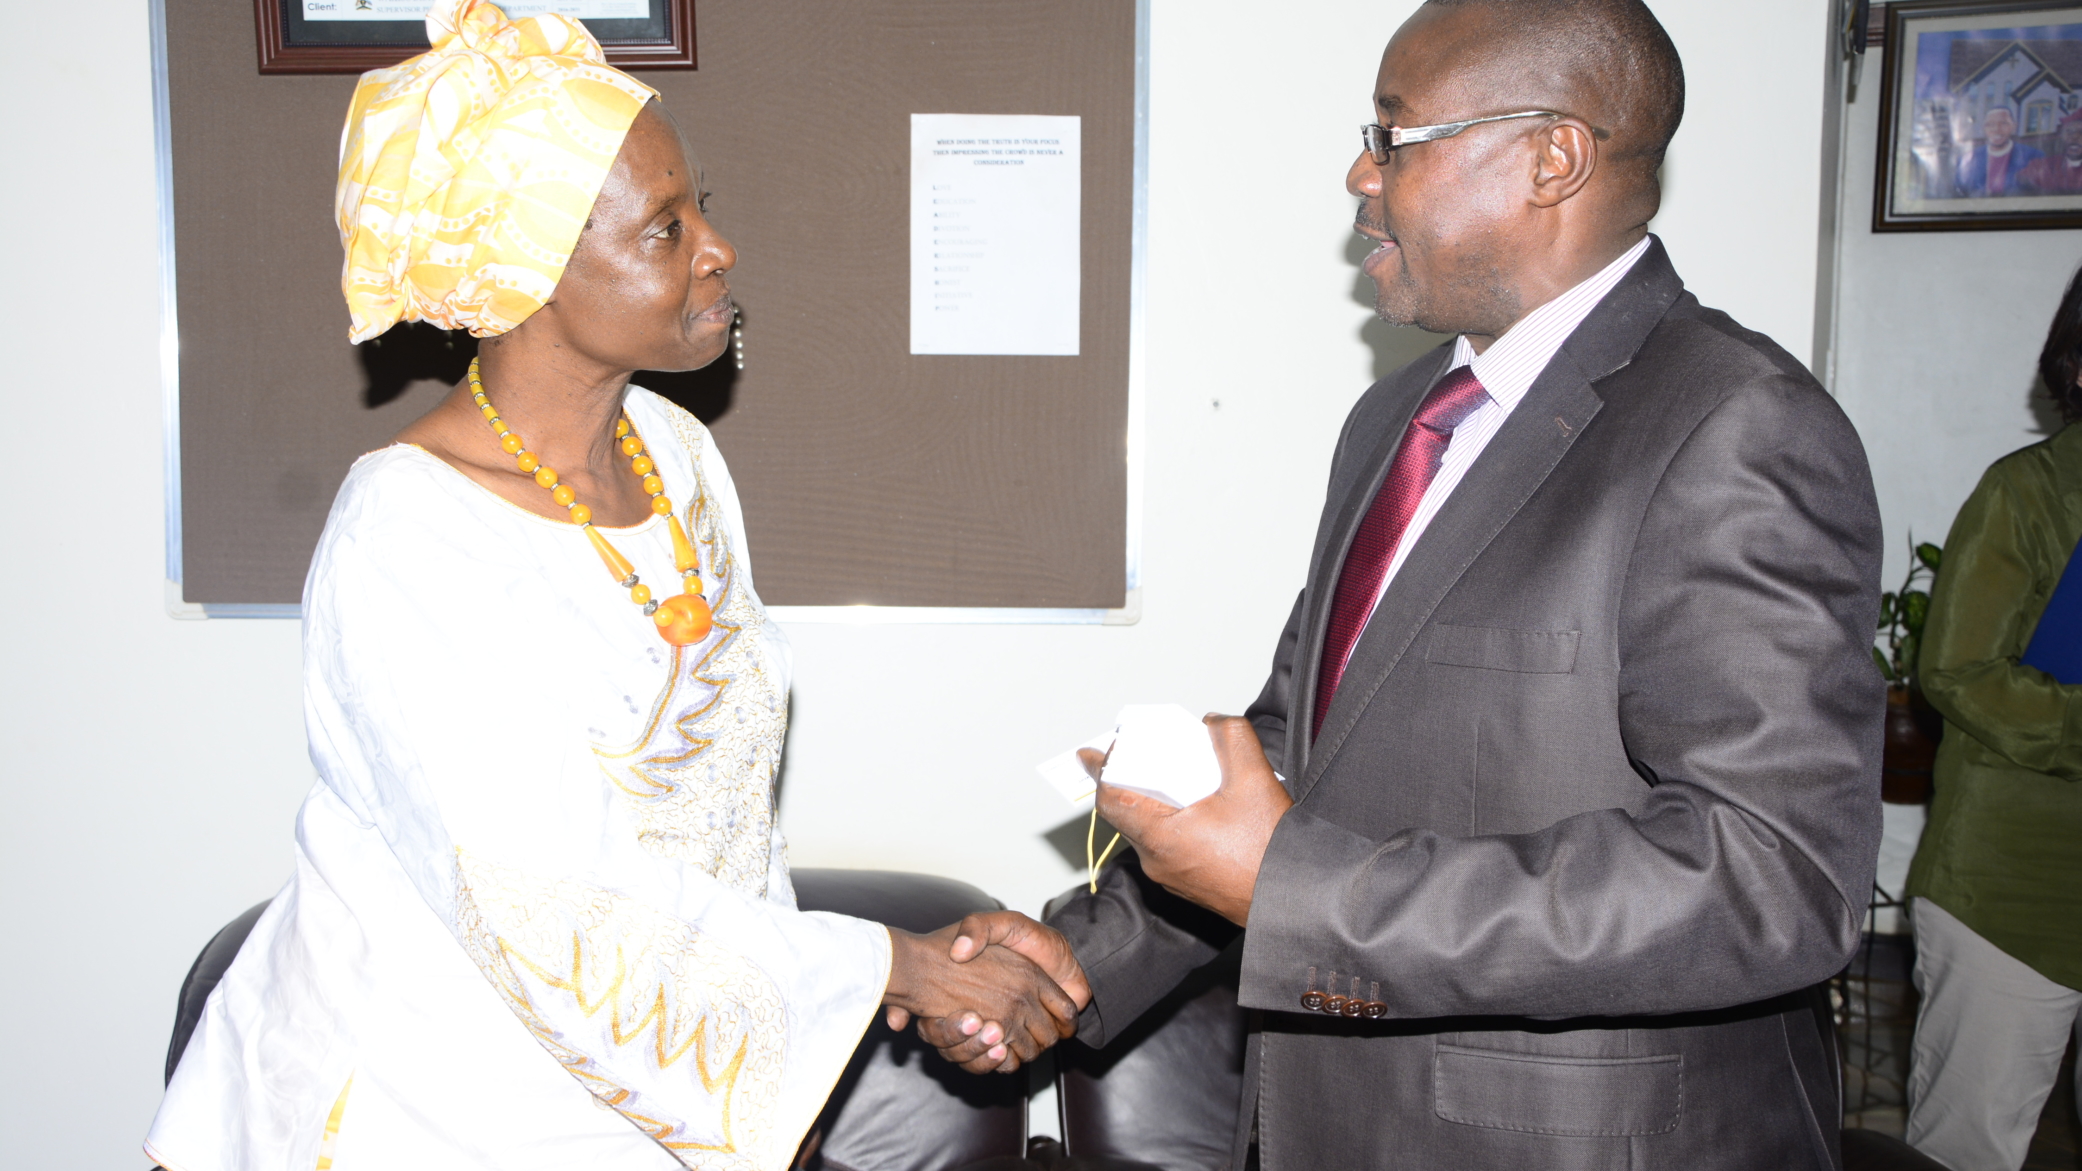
point(1374, 1010)
point(1355, 1006)
point(1312, 1000)
point(1336, 1004)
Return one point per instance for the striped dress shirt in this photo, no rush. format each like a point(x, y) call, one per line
point(1507, 370)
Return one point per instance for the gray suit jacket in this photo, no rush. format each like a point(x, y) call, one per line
point(1597, 803)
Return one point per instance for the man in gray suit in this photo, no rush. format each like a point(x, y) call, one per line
point(1577, 713)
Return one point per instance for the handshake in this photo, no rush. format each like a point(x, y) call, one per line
point(996, 989)
point(990, 993)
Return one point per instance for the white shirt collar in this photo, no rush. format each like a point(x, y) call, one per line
point(1511, 363)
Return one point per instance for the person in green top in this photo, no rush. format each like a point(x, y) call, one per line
point(1996, 886)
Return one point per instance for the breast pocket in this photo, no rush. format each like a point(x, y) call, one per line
point(1492, 648)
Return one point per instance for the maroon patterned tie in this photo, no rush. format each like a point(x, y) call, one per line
point(1416, 464)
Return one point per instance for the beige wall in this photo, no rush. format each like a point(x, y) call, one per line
point(150, 768)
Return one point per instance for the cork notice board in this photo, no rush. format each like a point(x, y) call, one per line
point(868, 475)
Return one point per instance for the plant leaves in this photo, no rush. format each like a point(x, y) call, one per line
point(1886, 668)
point(1915, 608)
point(1930, 555)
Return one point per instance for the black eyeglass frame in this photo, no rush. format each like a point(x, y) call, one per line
point(1380, 141)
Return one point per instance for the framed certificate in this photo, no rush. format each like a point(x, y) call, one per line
point(353, 36)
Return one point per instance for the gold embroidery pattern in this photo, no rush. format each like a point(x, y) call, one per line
point(329, 1141)
point(700, 777)
point(659, 1004)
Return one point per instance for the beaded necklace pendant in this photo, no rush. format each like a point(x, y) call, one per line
point(684, 618)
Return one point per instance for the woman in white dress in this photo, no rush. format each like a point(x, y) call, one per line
point(541, 917)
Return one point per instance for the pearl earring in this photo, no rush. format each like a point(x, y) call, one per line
point(737, 336)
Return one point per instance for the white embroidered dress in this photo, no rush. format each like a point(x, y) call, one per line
point(541, 917)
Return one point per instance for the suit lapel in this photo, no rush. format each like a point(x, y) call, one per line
point(1539, 431)
point(1518, 459)
point(1343, 528)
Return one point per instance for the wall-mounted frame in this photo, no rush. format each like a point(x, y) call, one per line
point(1980, 117)
point(353, 36)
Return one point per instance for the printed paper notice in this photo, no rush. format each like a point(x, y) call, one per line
point(995, 209)
point(517, 9)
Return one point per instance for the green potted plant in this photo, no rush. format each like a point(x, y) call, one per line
point(1913, 726)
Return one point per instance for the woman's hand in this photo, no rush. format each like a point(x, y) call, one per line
point(1004, 995)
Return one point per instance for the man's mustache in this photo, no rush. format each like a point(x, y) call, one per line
point(1365, 224)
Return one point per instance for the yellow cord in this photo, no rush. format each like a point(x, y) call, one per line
point(1091, 837)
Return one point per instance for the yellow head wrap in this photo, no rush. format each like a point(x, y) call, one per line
point(467, 172)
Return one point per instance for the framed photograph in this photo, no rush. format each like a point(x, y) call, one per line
point(1980, 117)
point(353, 36)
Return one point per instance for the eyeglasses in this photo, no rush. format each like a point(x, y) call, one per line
point(1381, 141)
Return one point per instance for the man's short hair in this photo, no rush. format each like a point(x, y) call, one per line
point(1615, 49)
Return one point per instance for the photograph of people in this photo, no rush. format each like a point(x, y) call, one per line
point(1976, 108)
point(541, 916)
point(2059, 173)
point(1994, 164)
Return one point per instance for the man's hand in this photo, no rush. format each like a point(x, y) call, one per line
point(971, 1041)
point(996, 984)
point(1209, 851)
point(1037, 941)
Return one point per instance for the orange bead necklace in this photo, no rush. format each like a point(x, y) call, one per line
point(683, 619)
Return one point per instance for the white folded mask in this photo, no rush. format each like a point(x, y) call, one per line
point(1159, 750)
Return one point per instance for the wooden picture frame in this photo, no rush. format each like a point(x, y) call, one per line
point(1980, 117)
point(289, 44)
